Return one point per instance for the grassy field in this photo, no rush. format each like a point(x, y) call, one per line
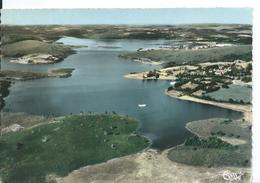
point(221, 142)
point(68, 144)
point(221, 128)
point(210, 157)
point(231, 53)
point(26, 47)
point(237, 93)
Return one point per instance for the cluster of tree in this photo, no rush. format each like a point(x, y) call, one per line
point(153, 74)
point(249, 68)
point(207, 88)
point(211, 89)
point(206, 97)
point(225, 86)
point(232, 57)
point(247, 79)
point(4, 92)
point(170, 88)
point(229, 39)
point(239, 72)
point(211, 67)
point(180, 83)
point(227, 121)
point(237, 101)
point(211, 142)
point(169, 64)
point(218, 133)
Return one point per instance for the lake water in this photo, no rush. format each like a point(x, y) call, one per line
point(98, 85)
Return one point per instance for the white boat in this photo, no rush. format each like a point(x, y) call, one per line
point(141, 105)
point(173, 83)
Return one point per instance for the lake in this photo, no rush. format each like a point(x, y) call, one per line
point(97, 84)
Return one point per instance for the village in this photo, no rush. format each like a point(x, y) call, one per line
point(200, 80)
point(189, 46)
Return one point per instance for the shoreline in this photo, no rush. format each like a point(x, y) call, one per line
point(245, 109)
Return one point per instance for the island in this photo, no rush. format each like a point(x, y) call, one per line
point(16, 75)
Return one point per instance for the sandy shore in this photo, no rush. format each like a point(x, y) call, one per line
point(146, 167)
point(245, 109)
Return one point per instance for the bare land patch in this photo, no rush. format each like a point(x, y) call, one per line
point(149, 166)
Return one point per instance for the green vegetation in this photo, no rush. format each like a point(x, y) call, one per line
point(153, 74)
point(247, 57)
point(4, 91)
point(220, 33)
point(211, 142)
point(247, 79)
point(221, 128)
point(210, 157)
point(62, 72)
point(23, 75)
point(178, 57)
point(209, 149)
point(214, 81)
point(66, 145)
point(26, 47)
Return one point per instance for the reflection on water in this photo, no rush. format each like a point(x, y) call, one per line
point(98, 85)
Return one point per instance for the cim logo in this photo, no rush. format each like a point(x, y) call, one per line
point(231, 176)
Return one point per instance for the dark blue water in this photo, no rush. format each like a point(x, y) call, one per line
point(98, 85)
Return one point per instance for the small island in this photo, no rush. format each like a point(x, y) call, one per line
point(11, 75)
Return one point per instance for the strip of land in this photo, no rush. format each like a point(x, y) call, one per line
point(221, 33)
point(172, 57)
point(245, 109)
point(15, 75)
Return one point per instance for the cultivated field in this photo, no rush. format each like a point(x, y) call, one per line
point(237, 93)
